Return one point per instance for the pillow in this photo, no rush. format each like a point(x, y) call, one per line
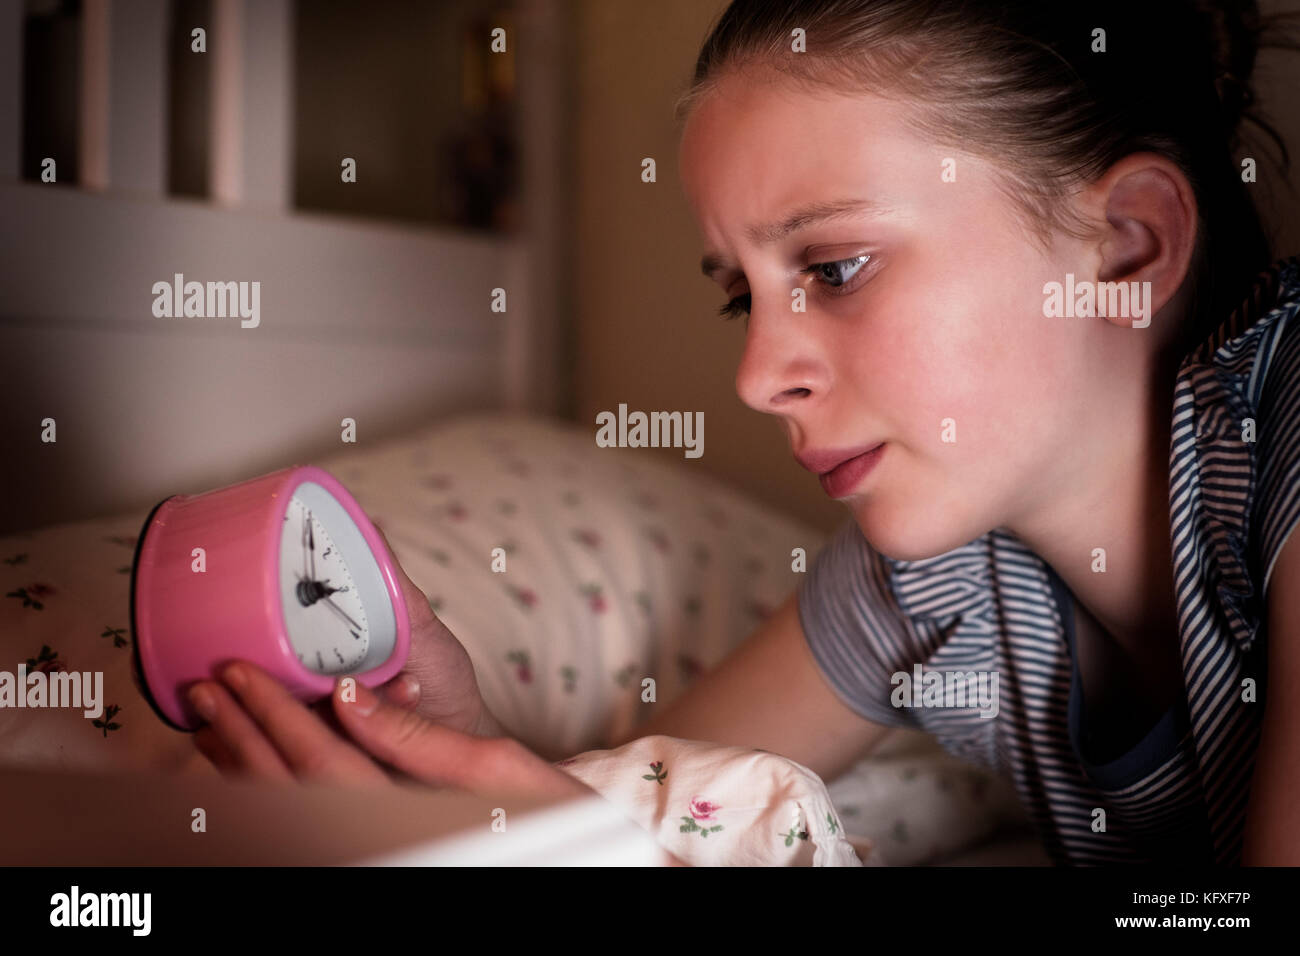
point(618, 566)
point(66, 608)
point(914, 803)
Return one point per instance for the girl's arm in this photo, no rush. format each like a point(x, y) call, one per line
point(769, 694)
point(1272, 834)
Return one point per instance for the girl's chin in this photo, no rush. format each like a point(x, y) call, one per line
point(909, 535)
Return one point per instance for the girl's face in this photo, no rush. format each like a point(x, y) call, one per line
point(938, 333)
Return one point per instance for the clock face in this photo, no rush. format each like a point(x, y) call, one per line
point(337, 612)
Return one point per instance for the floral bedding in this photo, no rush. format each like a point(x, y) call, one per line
point(620, 565)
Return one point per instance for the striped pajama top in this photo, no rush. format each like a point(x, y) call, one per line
point(994, 607)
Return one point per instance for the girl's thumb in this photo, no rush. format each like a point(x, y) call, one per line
point(404, 739)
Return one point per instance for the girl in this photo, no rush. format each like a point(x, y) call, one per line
point(1070, 518)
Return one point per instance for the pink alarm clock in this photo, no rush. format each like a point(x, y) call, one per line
point(284, 570)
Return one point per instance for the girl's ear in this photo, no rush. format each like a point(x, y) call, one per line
point(1149, 234)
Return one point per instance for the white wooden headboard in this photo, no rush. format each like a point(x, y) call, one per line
point(387, 325)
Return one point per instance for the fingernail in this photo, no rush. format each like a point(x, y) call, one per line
point(234, 676)
point(203, 702)
point(366, 701)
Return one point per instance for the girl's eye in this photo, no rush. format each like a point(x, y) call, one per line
point(839, 272)
point(836, 275)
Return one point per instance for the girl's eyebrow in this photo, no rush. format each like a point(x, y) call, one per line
point(811, 214)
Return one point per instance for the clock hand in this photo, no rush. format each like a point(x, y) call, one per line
point(311, 542)
point(338, 610)
point(306, 571)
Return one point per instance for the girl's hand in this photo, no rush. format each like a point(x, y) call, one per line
point(438, 680)
point(255, 727)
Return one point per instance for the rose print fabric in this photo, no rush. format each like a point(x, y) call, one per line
point(713, 805)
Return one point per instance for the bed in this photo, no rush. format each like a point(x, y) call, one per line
point(622, 564)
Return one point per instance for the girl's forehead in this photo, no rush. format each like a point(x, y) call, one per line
point(767, 146)
point(769, 131)
point(757, 94)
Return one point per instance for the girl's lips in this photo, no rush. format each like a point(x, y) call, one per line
point(843, 478)
point(826, 460)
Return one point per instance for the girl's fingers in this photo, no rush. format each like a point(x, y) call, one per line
point(403, 691)
point(400, 738)
point(244, 745)
point(308, 747)
point(443, 757)
point(210, 744)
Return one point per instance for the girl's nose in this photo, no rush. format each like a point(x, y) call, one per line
point(780, 369)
